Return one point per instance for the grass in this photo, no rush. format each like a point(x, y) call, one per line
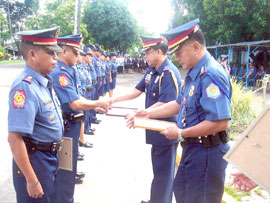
point(237, 195)
point(11, 61)
point(244, 107)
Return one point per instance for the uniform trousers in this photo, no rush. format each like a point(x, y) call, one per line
point(87, 113)
point(113, 84)
point(45, 166)
point(107, 85)
point(200, 177)
point(93, 116)
point(66, 180)
point(101, 91)
point(97, 92)
point(163, 163)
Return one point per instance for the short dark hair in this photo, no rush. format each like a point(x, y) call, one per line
point(162, 46)
point(25, 48)
point(197, 36)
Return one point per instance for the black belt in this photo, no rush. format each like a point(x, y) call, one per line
point(210, 140)
point(73, 117)
point(89, 89)
point(33, 145)
point(98, 78)
point(103, 77)
point(94, 82)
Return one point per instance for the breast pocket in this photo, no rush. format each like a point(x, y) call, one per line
point(154, 91)
point(48, 112)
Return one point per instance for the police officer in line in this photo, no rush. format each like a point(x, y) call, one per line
point(102, 71)
point(93, 117)
point(204, 112)
point(35, 122)
point(72, 105)
point(108, 77)
point(113, 68)
point(97, 65)
point(161, 84)
point(88, 95)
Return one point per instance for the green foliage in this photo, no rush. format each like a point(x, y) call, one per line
point(226, 21)
point(242, 108)
point(110, 23)
point(57, 14)
point(237, 195)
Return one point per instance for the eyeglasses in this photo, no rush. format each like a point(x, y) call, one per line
point(147, 53)
point(75, 52)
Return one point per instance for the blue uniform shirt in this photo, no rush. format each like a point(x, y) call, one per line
point(65, 86)
point(97, 66)
point(205, 95)
point(80, 78)
point(160, 85)
point(103, 68)
point(33, 109)
point(87, 75)
point(108, 68)
point(113, 66)
point(92, 70)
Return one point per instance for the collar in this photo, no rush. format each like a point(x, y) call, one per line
point(41, 79)
point(194, 72)
point(69, 69)
point(161, 67)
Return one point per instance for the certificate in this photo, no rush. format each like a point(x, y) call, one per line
point(152, 124)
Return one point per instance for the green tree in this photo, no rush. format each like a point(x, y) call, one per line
point(57, 13)
point(111, 24)
point(226, 21)
point(4, 30)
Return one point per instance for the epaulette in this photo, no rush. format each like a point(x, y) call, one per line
point(166, 68)
point(28, 79)
point(63, 68)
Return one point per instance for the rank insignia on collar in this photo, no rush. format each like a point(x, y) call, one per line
point(191, 91)
point(48, 102)
point(203, 70)
point(19, 99)
point(63, 81)
point(63, 68)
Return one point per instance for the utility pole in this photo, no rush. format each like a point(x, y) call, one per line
point(79, 17)
point(76, 18)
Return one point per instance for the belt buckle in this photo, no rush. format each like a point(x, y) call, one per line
point(54, 147)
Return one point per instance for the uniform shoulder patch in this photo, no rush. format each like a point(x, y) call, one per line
point(63, 80)
point(63, 68)
point(28, 79)
point(212, 91)
point(19, 99)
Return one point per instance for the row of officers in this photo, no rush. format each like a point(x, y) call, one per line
point(200, 107)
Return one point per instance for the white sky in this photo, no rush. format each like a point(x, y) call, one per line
point(154, 15)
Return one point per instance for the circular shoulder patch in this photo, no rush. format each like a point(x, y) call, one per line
point(19, 99)
point(63, 81)
point(212, 91)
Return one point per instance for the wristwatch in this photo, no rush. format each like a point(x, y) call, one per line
point(180, 137)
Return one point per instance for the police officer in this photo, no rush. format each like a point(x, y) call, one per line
point(203, 116)
point(72, 105)
point(108, 76)
point(161, 84)
point(88, 95)
point(93, 117)
point(102, 71)
point(97, 65)
point(113, 68)
point(35, 122)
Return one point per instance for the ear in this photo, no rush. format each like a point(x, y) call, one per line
point(32, 54)
point(196, 46)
